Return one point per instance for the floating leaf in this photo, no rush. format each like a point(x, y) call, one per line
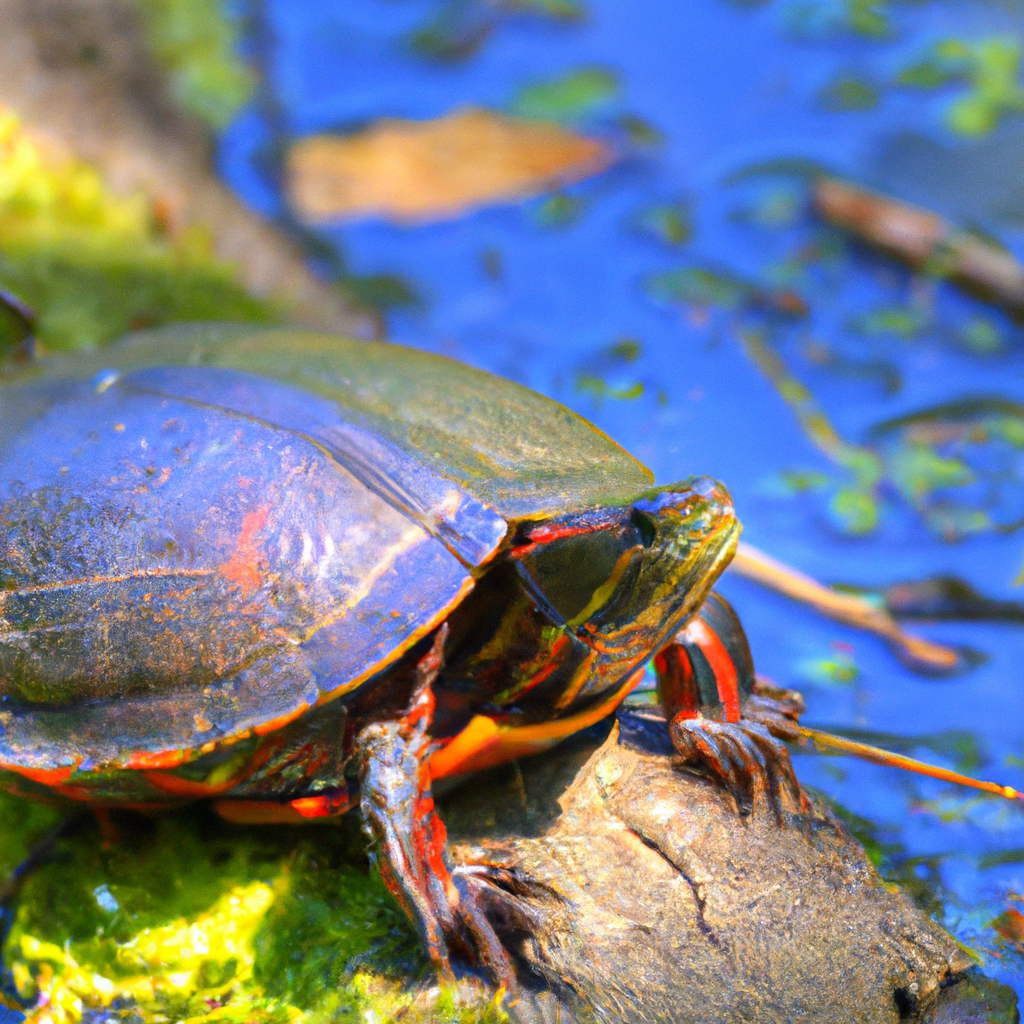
point(854, 511)
point(640, 132)
point(421, 171)
point(698, 287)
point(990, 67)
point(898, 321)
point(918, 470)
point(671, 223)
point(559, 211)
point(567, 99)
point(598, 387)
point(848, 94)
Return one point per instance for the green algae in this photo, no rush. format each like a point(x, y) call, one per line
point(991, 70)
point(93, 264)
point(197, 44)
point(186, 918)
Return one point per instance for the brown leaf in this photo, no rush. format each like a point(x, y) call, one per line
point(436, 170)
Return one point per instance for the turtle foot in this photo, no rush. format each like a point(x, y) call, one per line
point(748, 761)
point(408, 838)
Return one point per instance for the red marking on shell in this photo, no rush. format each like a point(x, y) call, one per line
point(144, 759)
point(325, 806)
point(242, 569)
point(278, 723)
point(44, 776)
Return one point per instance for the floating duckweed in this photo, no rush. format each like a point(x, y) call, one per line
point(846, 94)
point(197, 43)
point(991, 69)
point(567, 99)
point(93, 264)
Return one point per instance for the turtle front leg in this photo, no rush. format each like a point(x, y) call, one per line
point(720, 720)
point(408, 838)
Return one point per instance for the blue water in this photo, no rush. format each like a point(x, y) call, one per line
point(728, 86)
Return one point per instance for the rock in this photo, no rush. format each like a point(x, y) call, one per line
point(659, 903)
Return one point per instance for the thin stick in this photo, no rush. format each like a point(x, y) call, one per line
point(846, 608)
point(826, 741)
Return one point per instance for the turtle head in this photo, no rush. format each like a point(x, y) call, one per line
point(630, 577)
point(686, 534)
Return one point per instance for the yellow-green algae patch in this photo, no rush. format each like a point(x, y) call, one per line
point(185, 918)
point(94, 264)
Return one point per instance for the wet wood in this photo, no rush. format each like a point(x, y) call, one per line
point(923, 655)
point(661, 904)
point(924, 240)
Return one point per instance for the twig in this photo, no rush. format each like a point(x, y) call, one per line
point(924, 240)
point(921, 654)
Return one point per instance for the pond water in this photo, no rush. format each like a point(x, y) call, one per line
point(718, 109)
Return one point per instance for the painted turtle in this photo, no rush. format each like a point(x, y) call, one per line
point(290, 572)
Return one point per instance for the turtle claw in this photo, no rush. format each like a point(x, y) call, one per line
point(750, 763)
point(409, 840)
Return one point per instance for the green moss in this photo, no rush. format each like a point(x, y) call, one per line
point(93, 264)
point(197, 43)
point(187, 918)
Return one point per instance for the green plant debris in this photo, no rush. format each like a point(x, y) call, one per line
point(991, 69)
point(577, 96)
point(853, 506)
point(904, 322)
point(982, 337)
point(918, 471)
point(698, 287)
point(184, 918)
point(598, 387)
point(94, 265)
point(558, 211)
point(706, 289)
point(380, 291)
point(627, 350)
point(639, 132)
point(849, 94)
point(671, 223)
point(837, 669)
point(562, 10)
point(774, 207)
point(461, 27)
point(870, 18)
point(197, 42)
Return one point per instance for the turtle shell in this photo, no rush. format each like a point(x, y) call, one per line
point(206, 531)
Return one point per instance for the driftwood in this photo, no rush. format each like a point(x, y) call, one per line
point(661, 904)
point(924, 240)
point(921, 654)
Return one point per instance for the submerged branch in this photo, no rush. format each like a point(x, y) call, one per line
point(918, 653)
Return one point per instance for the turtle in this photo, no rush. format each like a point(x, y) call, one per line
point(293, 573)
